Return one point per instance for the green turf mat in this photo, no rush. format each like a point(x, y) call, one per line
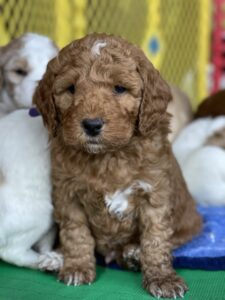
point(23, 284)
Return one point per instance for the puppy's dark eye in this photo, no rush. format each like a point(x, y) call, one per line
point(21, 72)
point(71, 89)
point(118, 89)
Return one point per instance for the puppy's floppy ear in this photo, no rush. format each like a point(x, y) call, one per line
point(155, 98)
point(44, 100)
point(7, 52)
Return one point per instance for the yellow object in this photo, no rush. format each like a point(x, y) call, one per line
point(203, 48)
point(4, 36)
point(153, 42)
point(70, 20)
point(175, 34)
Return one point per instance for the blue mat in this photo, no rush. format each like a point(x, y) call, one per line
point(206, 251)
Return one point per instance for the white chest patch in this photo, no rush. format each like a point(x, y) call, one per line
point(95, 50)
point(117, 203)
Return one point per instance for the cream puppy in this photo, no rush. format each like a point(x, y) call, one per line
point(22, 63)
point(202, 163)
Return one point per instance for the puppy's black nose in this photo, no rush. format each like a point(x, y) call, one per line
point(92, 127)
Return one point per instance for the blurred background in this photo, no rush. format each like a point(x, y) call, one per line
point(185, 39)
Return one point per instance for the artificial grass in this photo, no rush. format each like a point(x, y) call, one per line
point(24, 284)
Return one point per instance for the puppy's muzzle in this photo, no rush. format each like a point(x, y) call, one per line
point(92, 127)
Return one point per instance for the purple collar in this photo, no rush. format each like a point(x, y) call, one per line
point(33, 112)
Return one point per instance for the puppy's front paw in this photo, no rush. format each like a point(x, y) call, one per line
point(77, 277)
point(50, 261)
point(166, 287)
point(131, 257)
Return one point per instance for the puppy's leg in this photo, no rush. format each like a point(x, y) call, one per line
point(21, 257)
point(17, 245)
point(49, 260)
point(159, 278)
point(77, 244)
point(45, 244)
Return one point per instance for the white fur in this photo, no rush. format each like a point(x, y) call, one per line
point(37, 50)
point(117, 203)
point(51, 261)
point(203, 166)
point(98, 45)
point(25, 191)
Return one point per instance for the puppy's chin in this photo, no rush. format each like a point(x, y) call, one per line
point(102, 144)
point(95, 145)
point(93, 148)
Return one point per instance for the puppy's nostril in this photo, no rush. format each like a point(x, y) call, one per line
point(92, 127)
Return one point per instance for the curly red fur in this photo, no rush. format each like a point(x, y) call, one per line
point(131, 156)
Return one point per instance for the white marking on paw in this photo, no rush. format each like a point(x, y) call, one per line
point(50, 261)
point(131, 252)
point(134, 252)
point(95, 50)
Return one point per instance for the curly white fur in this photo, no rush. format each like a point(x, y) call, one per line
point(203, 166)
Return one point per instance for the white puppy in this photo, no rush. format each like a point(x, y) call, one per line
point(203, 165)
point(22, 64)
point(25, 190)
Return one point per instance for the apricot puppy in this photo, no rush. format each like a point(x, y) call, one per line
point(116, 183)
